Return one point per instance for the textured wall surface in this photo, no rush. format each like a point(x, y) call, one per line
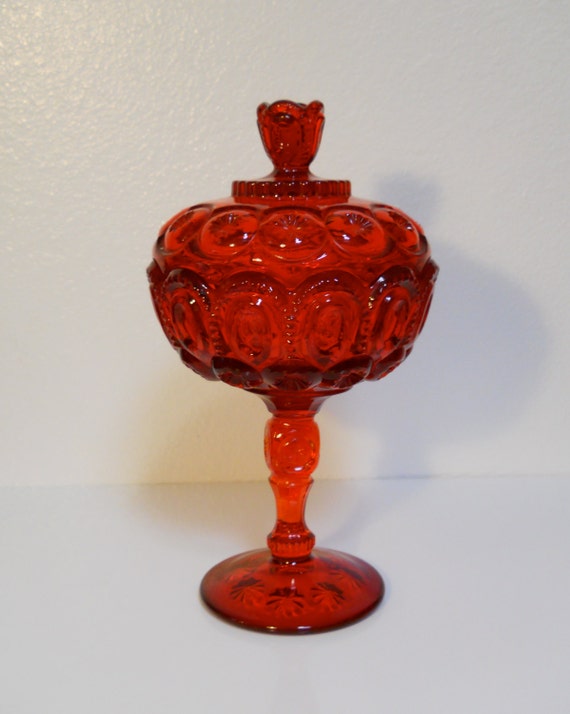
point(115, 115)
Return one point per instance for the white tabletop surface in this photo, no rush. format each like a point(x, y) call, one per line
point(100, 613)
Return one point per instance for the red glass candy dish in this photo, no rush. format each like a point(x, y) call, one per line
point(294, 290)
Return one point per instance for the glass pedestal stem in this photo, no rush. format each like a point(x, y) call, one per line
point(292, 587)
point(292, 453)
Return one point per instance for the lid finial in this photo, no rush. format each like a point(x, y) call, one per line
point(291, 133)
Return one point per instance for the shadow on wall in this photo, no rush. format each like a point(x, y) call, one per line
point(471, 374)
point(472, 371)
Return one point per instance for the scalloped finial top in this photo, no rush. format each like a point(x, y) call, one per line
point(291, 133)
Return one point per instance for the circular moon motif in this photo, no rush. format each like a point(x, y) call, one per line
point(187, 298)
point(404, 231)
point(293, 235)
point(330, 327)
point(184, 228)
point(395, 314)
point(357, 232)
point(228, 232)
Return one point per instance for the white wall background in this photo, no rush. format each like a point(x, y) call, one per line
point(116, 114)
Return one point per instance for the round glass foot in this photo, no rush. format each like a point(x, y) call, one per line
point(328, 590)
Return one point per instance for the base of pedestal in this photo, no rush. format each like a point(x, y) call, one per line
point(328, 590)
